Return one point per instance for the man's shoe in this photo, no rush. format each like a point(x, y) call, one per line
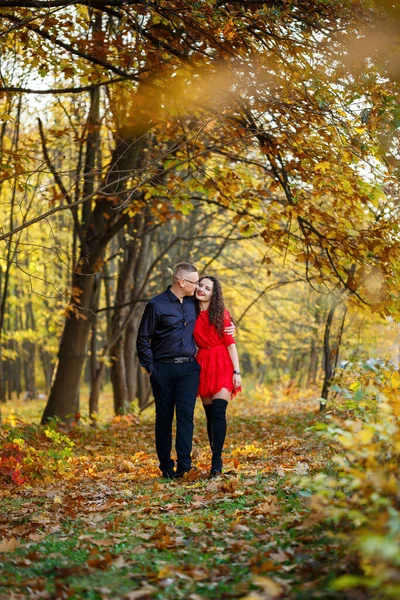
point(168, 474)
point(182, 473)
point(215, 473)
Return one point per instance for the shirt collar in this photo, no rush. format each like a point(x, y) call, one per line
point(174, 298)
point(171, 295)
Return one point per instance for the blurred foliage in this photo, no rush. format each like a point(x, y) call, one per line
point(359, 494)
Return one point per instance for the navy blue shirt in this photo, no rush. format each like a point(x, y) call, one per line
point(166, 329)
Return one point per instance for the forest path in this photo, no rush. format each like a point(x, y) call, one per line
point(111, 528)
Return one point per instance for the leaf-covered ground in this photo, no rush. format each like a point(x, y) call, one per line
point(111, 528)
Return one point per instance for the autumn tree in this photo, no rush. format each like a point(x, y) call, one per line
point(246, 106)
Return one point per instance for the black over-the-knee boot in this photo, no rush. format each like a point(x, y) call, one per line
point(218, 418)
point(207, 410)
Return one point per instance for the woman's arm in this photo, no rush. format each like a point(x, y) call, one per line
point(233, 353)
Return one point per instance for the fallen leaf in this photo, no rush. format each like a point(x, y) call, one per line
point(37, 537)
point(9, 545)
point(213, 486)
point(279, 556)
point(268, 507)
point(301, 468)
point(143, 594)
point(271, 589)
point(138, 550)
point(103, 542)
point(240, 528)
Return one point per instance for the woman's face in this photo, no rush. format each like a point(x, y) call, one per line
point(205, 290)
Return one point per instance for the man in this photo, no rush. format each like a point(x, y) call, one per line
point(167, 350)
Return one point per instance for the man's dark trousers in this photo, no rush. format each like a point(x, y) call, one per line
point(174, 387)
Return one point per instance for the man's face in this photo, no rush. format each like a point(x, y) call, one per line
point(189, 282)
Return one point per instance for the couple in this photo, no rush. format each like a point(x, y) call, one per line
point(190, 312)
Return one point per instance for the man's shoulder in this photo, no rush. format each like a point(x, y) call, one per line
point(159, 298)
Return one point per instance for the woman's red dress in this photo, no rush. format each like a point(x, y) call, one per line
point(216, 368)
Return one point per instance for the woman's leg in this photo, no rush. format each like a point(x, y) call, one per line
point(218, 421)
point(207, 405)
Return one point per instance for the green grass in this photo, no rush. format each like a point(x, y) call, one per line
point(62, 558)
point(204, 537)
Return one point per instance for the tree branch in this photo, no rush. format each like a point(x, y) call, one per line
point(270, 287)
point(51, 38)
point(62, 188)
point(68, 90)
point(45, 4)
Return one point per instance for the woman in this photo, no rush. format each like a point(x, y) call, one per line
point(218, 358)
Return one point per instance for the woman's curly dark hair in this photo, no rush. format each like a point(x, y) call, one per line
point(217, 305)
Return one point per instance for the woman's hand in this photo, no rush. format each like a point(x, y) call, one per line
point(237, 381)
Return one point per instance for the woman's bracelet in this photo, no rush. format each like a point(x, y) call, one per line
point(236, 372)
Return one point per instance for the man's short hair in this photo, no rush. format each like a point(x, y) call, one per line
point(183, 266)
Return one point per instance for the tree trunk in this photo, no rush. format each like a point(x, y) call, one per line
point(2, 372)
point(29, 359)
point(9, 377)
point(97, 226)
point(2, 380)
point(313, 365)
point(105, 222)
point(10, 250)
point(95, 394)
point(64, 394)
point(314, 349)
point(133, 273)
point(48, 368)
point(118, 378)
point(330, 353)
point(29, 355)
point(131, 361)
point(93, 406)
point(98, 369)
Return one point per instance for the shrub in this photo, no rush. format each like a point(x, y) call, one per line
point(29, 452)
point(361, 495)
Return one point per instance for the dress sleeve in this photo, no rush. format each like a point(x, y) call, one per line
point(228, 339)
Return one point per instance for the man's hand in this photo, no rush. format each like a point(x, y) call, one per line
point(230, 330)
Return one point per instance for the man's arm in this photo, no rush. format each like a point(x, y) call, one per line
point(146, 331)
point(230, 329)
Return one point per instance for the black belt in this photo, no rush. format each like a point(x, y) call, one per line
point(179, 360)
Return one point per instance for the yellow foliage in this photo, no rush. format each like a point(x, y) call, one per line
point(366, 488)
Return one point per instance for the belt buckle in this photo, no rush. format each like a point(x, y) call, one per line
point(179, 361)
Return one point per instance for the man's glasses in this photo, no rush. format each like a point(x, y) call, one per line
point(188, 280)
point(192, 282)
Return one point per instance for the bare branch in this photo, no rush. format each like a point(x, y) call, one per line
point(62, 188)
point(68, 90)
point(270, 287)
point(45, 4)
point(51, 38)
